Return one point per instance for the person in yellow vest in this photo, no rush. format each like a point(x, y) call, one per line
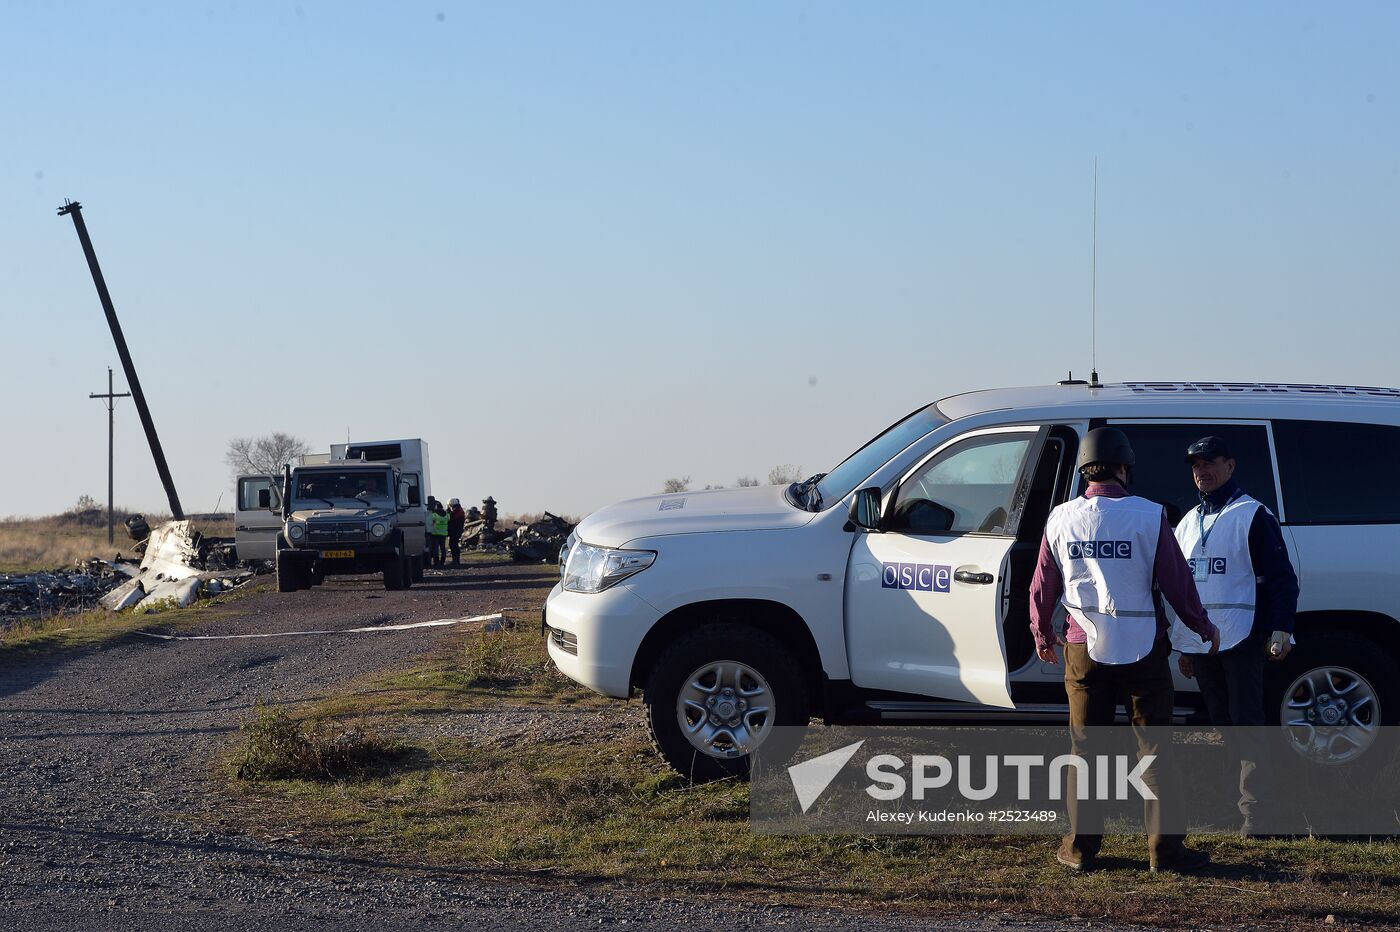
point(1237, 555)
point(437, 534)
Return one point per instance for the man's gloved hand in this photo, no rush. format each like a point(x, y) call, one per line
point(1184, 664)
point(1280, 643)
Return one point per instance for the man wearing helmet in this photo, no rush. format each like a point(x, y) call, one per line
point(1106, 557)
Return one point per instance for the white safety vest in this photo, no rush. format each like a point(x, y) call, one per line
point(1223, 571)
point(1106, 549)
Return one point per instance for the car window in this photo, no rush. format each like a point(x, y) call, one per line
point(409, 495)
point(332, 485)
point(248, 490)
point(967, 488)
point(861, 464)
point(1320, 493)
point(1161, 474)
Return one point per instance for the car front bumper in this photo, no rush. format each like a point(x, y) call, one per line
point(604, 629)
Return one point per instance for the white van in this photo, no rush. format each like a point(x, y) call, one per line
point(896, 586)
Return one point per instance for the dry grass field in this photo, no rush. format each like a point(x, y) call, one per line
point(59, 541)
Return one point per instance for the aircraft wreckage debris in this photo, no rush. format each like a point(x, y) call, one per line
point(178, 564)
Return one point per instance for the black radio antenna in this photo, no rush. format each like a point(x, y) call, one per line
point(1094, 289)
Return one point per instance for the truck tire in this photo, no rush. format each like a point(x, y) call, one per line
point(1332, 679)
point(289, 572)
point(417, 563)
point(394, 573)
point(714, 697)
point(408, 572)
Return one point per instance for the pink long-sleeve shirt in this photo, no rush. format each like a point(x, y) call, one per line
point(1172, 575)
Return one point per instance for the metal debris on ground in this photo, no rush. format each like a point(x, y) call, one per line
point(539, 541)
point(536, 542)
point(179, 565)
point(50, 593)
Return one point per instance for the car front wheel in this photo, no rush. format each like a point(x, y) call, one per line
point(721, 696)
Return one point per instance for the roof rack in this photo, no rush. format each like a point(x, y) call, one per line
point(1264, 388)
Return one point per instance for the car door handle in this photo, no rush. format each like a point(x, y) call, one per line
point(980, 579)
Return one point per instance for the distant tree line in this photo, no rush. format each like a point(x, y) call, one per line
point(784, 474)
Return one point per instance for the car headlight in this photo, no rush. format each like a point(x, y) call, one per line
point(593, 569)
point(564, 555)
point(296, 531)
point(378, 529)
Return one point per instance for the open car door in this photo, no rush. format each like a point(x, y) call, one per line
point(924, 594)
point(256, 524)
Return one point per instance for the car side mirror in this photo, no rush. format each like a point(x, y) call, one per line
point(265, 498)
point(865, 510)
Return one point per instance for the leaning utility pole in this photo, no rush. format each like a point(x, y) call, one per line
point(74, 209)
point(111, 398)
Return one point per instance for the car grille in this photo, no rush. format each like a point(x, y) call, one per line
point(337, 532)
point(563, 640)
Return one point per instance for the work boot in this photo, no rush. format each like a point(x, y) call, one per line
point(1184, 861)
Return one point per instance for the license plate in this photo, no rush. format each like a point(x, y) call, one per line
point(338, 554)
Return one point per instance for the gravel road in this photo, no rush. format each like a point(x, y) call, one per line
point(110, 820)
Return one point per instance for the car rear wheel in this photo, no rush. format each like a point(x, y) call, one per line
point(721, 696)
point(1332, 695)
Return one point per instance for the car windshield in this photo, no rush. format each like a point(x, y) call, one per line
point(357, 485)
point(859, 466)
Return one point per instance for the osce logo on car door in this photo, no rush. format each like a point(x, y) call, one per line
point(921, 577)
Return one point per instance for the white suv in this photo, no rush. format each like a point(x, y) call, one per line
point(896, 586)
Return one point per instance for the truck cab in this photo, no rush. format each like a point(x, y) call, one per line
point(896, 586)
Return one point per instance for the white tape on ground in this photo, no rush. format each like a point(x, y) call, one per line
point(287, 634)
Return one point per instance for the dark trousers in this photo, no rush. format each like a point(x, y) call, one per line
point(1145, 689)
point(1232, 686)
point(437, 549)
point(455, 542)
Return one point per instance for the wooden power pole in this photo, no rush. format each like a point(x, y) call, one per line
point(111, 399)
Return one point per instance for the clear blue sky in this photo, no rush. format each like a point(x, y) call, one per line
point(584, 247)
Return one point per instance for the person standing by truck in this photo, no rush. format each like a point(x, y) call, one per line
point(1238, 557)
point(437, 534)
point(1105, 556)
point(456, 521)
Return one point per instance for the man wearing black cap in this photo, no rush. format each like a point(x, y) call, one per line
point(1237, 555)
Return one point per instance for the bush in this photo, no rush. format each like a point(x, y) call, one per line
point(495, 660)
point(280, 748)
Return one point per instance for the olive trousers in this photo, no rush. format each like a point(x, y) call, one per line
point(1144, 688)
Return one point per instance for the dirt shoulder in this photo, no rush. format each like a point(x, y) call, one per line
point(116, 814)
